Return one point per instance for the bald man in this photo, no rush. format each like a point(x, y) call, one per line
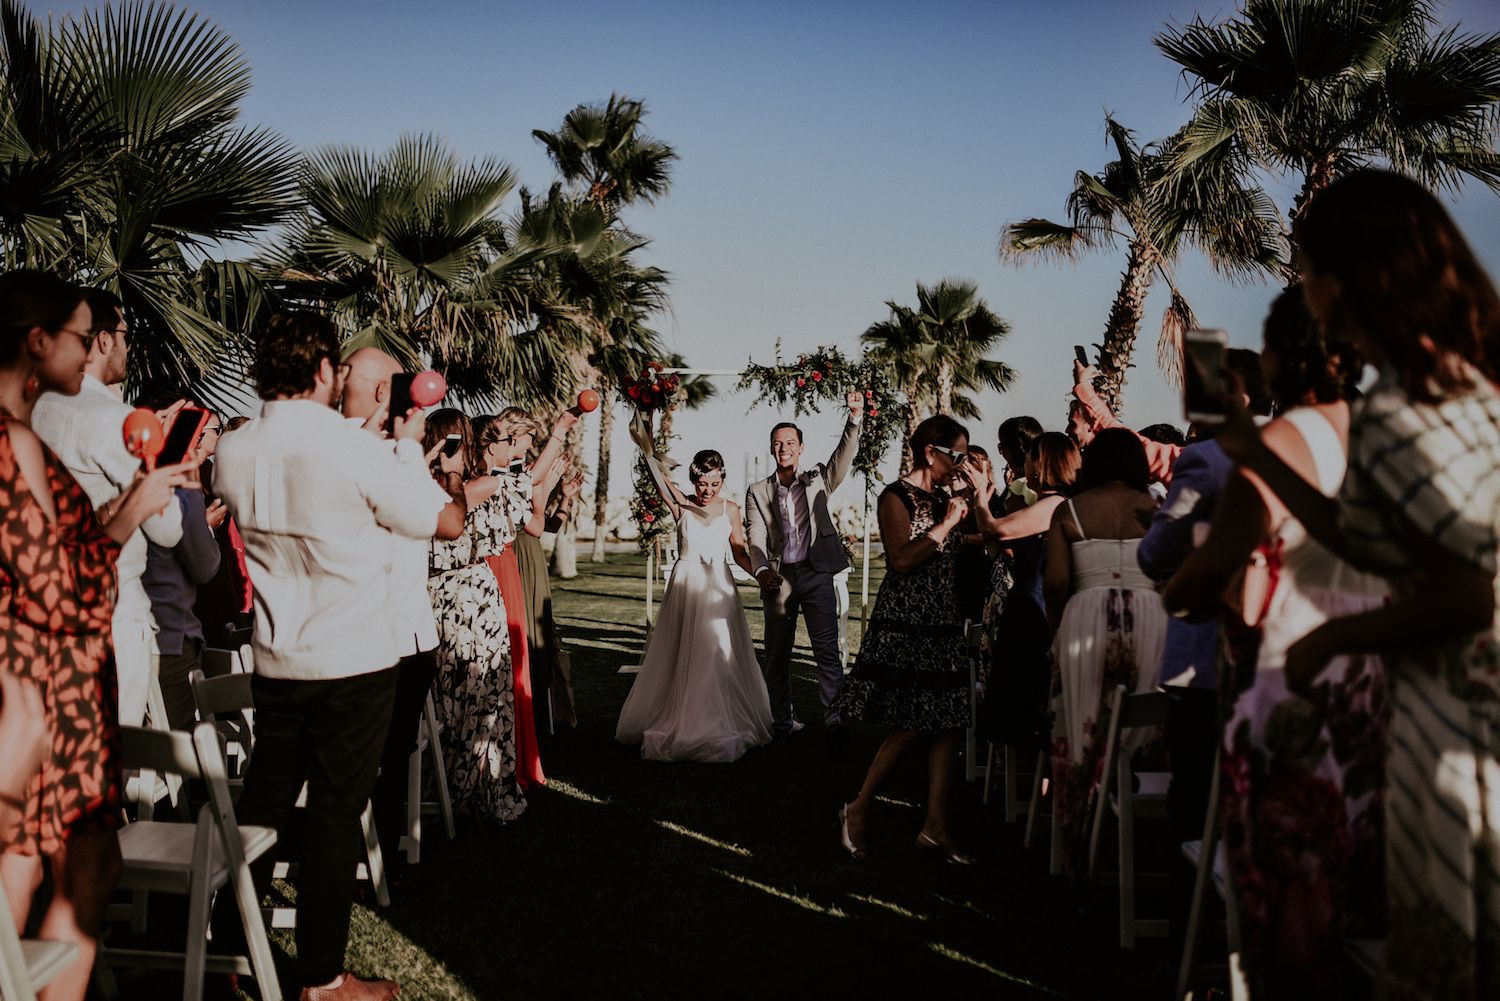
point(367, 392)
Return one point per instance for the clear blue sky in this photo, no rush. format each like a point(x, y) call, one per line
point(832, 154)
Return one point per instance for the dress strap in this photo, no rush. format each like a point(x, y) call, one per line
point(1322, 440)
point(1078, 524)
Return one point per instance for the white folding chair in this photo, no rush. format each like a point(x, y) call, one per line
point(428, 733)
point(232, 694)
point(194, 860)
point(28, 965)
point(1209, 846)
point(1129, 804)
point(973, 636)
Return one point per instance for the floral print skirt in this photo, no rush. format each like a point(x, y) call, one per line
point(476, 693)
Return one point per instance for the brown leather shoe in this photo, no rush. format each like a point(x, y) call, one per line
point(354, 989)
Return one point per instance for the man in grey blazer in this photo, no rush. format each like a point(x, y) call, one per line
point(795, 548)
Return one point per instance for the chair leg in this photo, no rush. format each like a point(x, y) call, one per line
point(445, 801)
point(373, 857)
point(989, 777)
point(1127, 854)
point(1201, 883)
point(414, 806)
point(1036, 796)
point(255, 936)
point(200, 899)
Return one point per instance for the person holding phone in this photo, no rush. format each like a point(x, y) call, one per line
point(84, 430)
point(1088, 415)
point(58, 570)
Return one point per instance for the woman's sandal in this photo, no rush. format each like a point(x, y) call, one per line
point(951, 854)
point(854, 850)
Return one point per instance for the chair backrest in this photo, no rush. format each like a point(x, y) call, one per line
point(217, 663)
point(240, 637)
point(1126, 711)
point(169, 751)
point(222, 695)
point(15, 979)
point(1141, 708)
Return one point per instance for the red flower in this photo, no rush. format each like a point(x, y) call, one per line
point(635, 392)
point(874, 411)
point(648, 519)
point(869, 394)
point(801, 383)
point(817, 377)
point(799, 362)
point(645, 374)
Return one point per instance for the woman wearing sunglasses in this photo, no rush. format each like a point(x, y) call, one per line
point(912, 670)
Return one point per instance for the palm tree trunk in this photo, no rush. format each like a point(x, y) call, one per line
point(601, 477)
point(1124, 321)
point(945, 388)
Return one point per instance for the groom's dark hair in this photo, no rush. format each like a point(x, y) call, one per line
point(787, 424)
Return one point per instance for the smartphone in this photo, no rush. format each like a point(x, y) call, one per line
point(451, 444)
point(1203, 383)
point(187, 428)
point(1080, 354)
point(401, 400)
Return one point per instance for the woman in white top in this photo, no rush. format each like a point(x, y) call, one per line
point(1302, 810)
point(1108, 618)
point(700, 695)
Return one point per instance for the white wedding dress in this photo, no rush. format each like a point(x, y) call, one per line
point(699, 695)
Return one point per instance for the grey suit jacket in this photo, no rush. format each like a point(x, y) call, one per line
point(764, 532)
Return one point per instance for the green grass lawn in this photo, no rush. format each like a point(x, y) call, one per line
point(634, 878)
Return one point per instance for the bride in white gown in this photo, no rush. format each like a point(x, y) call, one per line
point(699, 695)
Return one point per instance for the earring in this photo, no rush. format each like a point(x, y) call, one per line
point(32, 388)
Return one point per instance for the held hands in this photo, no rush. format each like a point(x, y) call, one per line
point(769, 580)
point(958, 509)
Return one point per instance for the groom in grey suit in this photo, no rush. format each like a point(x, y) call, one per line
point(795, 548)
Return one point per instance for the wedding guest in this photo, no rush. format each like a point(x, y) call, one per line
point(1018, 639)
point(225, 603)
point(84, 430)
point(1190, 660)
point(475, 686)
point(1333, 854)
point(520, 493)
point(974, 565)
point(1088, 414)
point(1014, 442)
point(539, 600)
point(1108, 619)
point(1383, 265)
point(319, 502)
point(912, 669)
point(366, 404)
point(171, 579)
point(58, 558)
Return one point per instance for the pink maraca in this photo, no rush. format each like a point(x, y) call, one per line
point(144, 437)
point(588, 400)
point(427, 388)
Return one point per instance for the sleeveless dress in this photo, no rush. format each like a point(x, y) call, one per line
point(1018, 644)
point(699, 695)
point(57, 598)
point(1304, 783)
point(475, 690)
point(1113, 632)
point(912, 672)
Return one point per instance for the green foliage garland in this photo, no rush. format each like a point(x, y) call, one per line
point(826, 375)
point(647, 507)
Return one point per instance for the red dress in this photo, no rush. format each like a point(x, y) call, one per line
point(514, 496)
point(57, 596)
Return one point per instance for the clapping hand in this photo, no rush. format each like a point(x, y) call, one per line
point(573, 485)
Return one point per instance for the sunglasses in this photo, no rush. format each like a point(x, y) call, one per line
point(959, 458)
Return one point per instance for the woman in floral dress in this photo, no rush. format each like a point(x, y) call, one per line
point(475, 689)
point(1383, 263)
point(912, 669)
point(1303, 779)
point(57, 594)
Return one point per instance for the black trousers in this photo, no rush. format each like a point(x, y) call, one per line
point(329, 734)
point(414, 677)
point(176, 689)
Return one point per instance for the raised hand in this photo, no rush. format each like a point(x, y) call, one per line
point(1083, 373)
point(855, 401)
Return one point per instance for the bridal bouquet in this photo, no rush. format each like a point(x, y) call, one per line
point(653, 391)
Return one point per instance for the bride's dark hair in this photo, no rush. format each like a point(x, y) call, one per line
point(705, 462)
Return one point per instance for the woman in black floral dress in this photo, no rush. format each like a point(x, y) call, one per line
point(912, 672)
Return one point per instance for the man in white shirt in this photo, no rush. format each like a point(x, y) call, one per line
point(319, 504)
point(86, 433)
point(796, 550)
point(366, 399)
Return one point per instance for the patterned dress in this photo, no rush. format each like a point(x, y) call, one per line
point(57, 596)
point(514, 498)
point(475, 691)
point(1436, 468)
point(912, 672)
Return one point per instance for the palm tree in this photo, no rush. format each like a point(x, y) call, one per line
point(1157, 213)
point(604, 151)
point(121, 165)
point(408, 249)
point(938, 349)
point(1317, 88)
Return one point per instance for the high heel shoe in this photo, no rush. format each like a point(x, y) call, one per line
point(951, 854)
point(854, 850)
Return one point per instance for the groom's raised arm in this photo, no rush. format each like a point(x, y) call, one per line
point(844, 452)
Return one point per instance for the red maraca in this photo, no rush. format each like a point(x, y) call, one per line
point(427, 388)
point(144, 436)
point(588, 400)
